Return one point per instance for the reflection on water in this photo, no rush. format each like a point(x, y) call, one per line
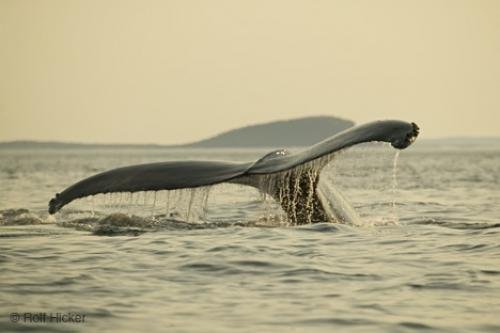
point(423, 257)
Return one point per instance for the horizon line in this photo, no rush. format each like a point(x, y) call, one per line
point(82, 143)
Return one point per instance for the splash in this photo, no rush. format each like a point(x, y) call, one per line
point(20, 216)
point(50, 219)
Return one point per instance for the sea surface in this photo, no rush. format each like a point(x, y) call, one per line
point(424, 255)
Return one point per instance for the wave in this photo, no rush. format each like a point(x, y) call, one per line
point(453, 224)
point(116, 223)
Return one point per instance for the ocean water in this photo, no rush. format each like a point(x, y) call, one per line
point(425, 255)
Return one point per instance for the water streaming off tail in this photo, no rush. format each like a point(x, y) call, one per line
point(295, 192)
point(314, 191)
point(395, 186)
point(317, 191)
point(366, 177)
point(183, 204)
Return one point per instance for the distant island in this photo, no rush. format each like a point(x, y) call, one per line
point(295, 132)
point(285, 133)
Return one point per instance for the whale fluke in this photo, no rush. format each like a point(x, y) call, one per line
point(290, 178)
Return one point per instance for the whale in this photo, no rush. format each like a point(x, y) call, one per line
point(291, 179)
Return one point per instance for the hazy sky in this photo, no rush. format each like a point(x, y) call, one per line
point(177, 71)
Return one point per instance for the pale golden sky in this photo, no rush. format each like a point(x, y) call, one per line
point(177, 71)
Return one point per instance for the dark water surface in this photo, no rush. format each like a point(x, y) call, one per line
point(424, 257)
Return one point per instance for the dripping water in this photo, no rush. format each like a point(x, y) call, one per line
point(92, 206)
point(297, 191)
point(190, 203)
point(120, 202)
point(154, 205)
point(206, 193)
point(394, 187)
point(130, 202)
point(167, 203)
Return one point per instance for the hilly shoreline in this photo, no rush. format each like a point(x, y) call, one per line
point(285, 133)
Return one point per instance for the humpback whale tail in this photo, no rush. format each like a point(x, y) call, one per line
point(291, 179)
